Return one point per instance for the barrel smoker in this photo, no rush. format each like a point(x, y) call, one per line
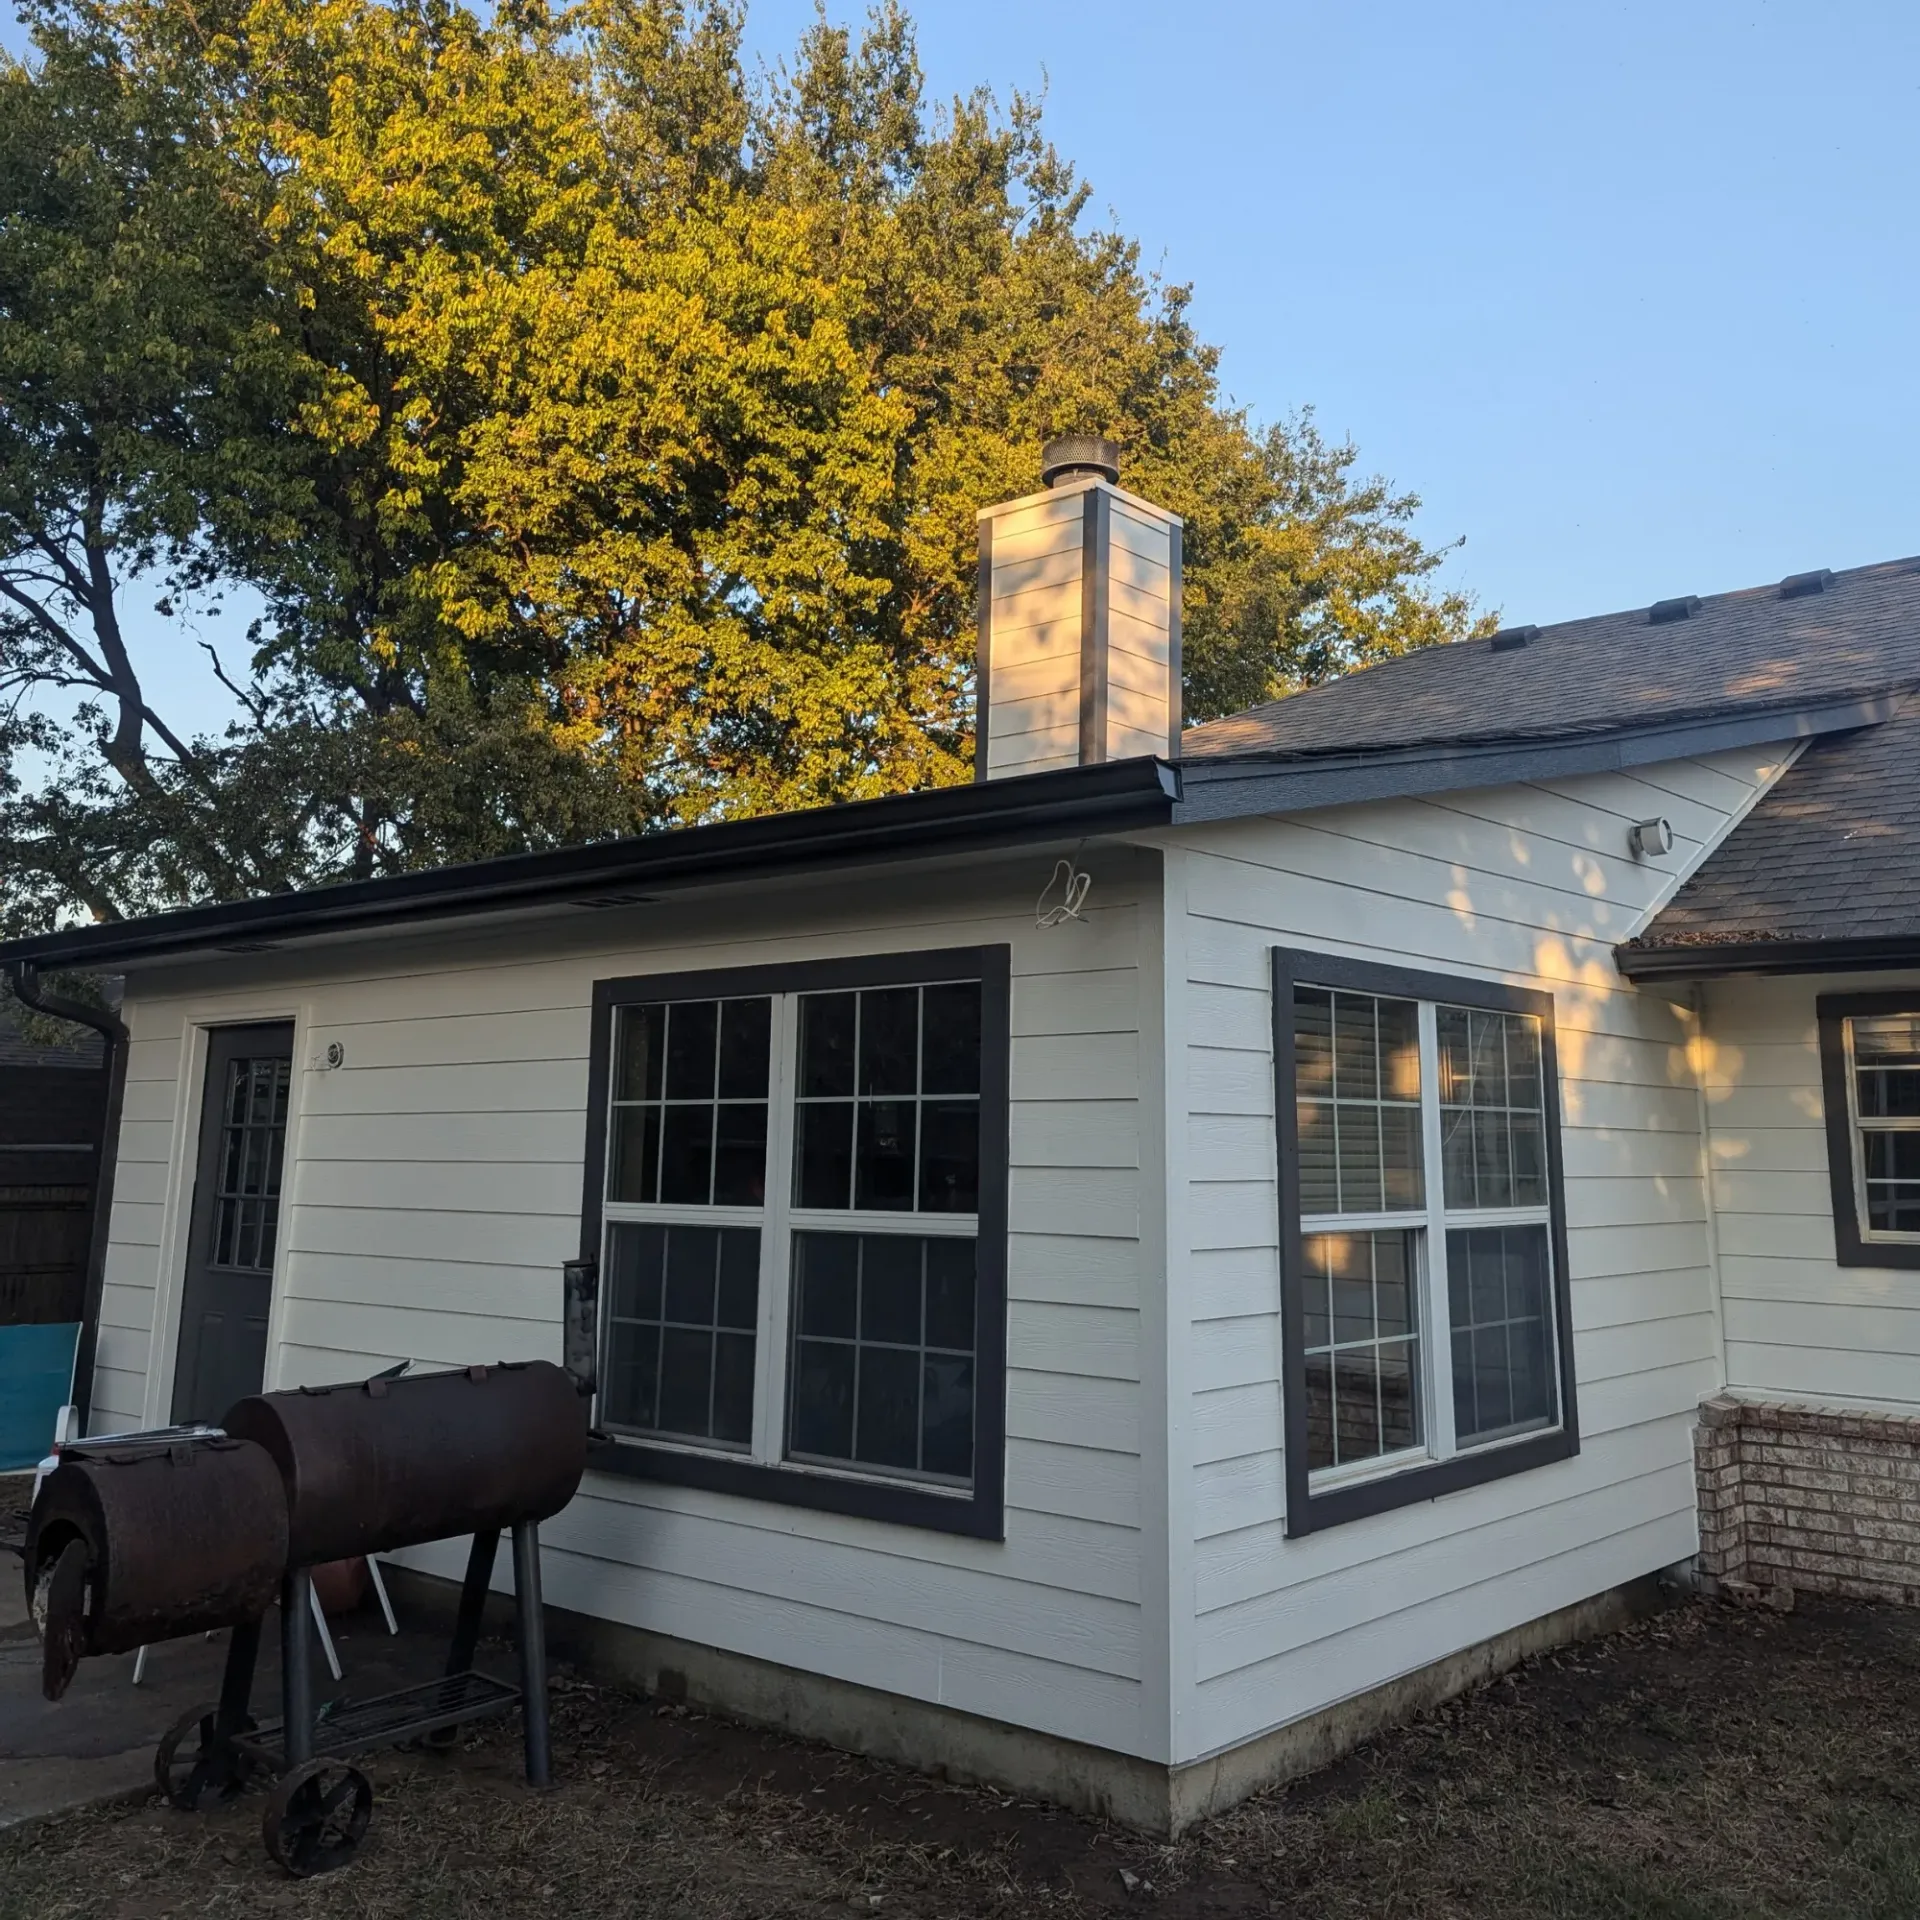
point(138, 1542)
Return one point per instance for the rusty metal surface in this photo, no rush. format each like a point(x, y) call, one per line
point(179, 1538)
point(388, 1463)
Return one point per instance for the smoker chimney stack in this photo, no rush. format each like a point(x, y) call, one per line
point(1079, 620)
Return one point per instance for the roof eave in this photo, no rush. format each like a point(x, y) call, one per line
point(1124, 795)
point(1227, 786)
point(1719, 959)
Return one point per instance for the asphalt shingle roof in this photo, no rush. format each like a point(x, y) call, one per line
point(1742, 651)
point(1832, 852)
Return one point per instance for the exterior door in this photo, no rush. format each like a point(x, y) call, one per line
point(235, 1223)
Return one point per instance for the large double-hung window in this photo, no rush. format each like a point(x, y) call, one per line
point(796, 1193)
point(1423, 1250)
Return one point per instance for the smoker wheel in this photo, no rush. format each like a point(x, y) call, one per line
point(317, 1816)
point(209, 1770)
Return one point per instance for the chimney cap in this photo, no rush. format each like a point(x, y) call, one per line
point(1076, 453)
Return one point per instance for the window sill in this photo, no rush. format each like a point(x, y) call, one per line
point(822, 1490)
point(1407, 1486)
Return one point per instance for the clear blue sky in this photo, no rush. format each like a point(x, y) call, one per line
point(1626, 293)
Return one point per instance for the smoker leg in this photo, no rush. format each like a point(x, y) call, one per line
point(296, 1671)
point(236, 1683)
point(533, 1652)
point(473, 1600)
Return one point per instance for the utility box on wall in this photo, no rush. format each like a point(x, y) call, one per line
point(1079, 621)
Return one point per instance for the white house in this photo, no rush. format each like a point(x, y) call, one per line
point(1125, 1277)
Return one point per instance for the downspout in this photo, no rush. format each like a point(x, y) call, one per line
point(24, 978)
point(1703, 1114)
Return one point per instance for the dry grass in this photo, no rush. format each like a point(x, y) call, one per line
point(1708, 1765)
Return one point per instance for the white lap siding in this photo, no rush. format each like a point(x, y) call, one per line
point(434, 1191)
point(1527, 884)
point(1798, 1326)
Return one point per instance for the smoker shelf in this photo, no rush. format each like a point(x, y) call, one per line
point(392, 1717)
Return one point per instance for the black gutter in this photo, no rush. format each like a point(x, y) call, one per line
point(1042, 806)
point(1716, 959)
point(25, 981)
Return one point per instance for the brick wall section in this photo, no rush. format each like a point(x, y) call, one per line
point(1822, 1499)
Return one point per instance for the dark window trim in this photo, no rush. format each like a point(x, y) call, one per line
point(1851, 1247)
point(981, 1515)
point(1309, 1512)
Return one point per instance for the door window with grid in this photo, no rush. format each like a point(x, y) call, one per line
point(1424, 1319)
point(796, 1188)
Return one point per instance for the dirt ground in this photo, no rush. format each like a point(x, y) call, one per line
point(1705, 1765)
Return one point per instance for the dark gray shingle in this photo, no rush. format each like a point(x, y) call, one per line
point(1746, 650)
point(1831, 852)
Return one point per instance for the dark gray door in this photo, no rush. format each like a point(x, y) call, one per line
point(236, 1220)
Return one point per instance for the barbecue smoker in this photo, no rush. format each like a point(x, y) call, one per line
point(143, 1541)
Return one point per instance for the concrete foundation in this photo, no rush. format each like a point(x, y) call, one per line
point(1157, 1799)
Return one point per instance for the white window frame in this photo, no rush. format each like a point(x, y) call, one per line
point(1439, 1458)
point(1859, 1126)
point(918, 1498)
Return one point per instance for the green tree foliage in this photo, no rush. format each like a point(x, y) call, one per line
point(602, 429)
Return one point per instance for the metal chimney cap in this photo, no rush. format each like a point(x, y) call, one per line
point(1076, 453)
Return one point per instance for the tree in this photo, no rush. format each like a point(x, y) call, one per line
point(602, 430)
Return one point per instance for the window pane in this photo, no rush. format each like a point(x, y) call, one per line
point(826, 1044)
point(642, 1045)
point(746, 1041)
point(692, 1255)
point(686, 1381)
point(1357, 1076)
point(740, 1155)
point(1893, 1181)
point(884, 1158)
point(950, 1041)
point(823, 1399)
point(826, 1282)
point(1500, 1295)
point(882, 1364)
point(738, 1304)
point(636, 1257)
point(824, 1154)
point(890, 1291)
point(1399, 1397)
point(1319, 1411)
point(1313, 1043)
point(950, 1156)
point(1356, 1403)
point(1356, 1048)
point(1360, 1295)
point(692, 1037)
point(629, 1394)
point(733, 1388)
point(890, 1041)
point(950, 1294)
point(887, 1415)
point(686, 1156)
point(669, 1368)
point(1492, 1109)
point(1319, 1175)
point(946, 1416)
point(633, 1154)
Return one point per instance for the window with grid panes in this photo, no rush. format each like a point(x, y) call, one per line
point(790, 1226)
point(1427, 1318)
point(1885, 1083)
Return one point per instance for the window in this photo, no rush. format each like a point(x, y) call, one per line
point(1424, 1316)
point(796, 1192)
point(1870, 1069)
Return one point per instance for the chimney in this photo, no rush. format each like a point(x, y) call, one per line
point(1079, 614)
